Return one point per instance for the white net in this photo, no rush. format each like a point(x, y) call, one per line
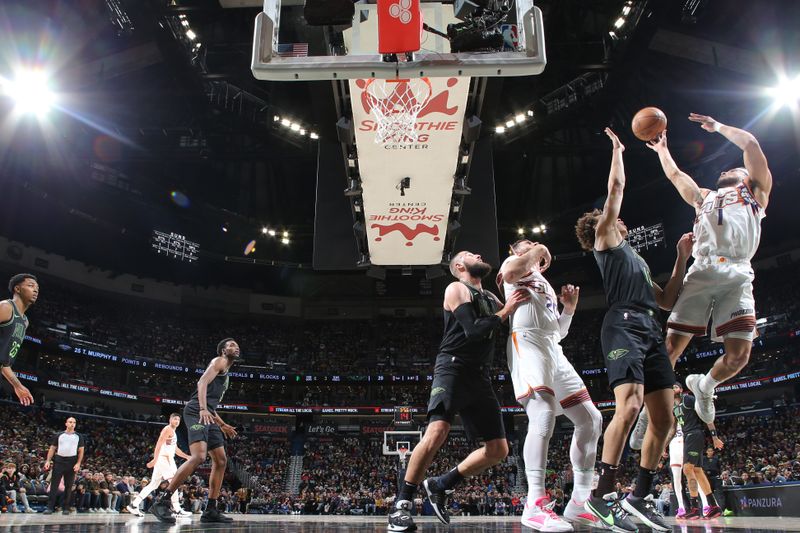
point(395, 104)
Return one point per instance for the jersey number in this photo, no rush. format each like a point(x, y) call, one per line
point(14, 349)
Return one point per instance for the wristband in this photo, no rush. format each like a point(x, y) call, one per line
point(713, 432)
point(717, 126)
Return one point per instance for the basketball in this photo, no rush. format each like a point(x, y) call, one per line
point(648, 123)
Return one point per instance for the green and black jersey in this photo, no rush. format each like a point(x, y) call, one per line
point(12, 333)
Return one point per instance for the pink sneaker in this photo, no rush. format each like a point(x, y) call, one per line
point(541, 517)
point(681, 513)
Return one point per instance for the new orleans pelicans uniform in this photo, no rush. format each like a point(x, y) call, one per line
point(535, 358)
point(719, 284)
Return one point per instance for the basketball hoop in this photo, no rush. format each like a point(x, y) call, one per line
point(395, 104)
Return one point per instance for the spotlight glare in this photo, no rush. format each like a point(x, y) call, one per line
point(295, 127)
point(276, 118)
point(285, 234)
point(530, 112)
point(612, 35)
point(520, 231)
point(30, 92)
point(626, 10)
point(285, 240)
point(314, 135)
point(619, 22)
point(185, 23)
point(500, 129)
point(271, 232)
point(519, 118)
point(537, 229)
point(191, 35)
point(285, 122)
point(787, 92)
point(509, 123)
point(264, 230)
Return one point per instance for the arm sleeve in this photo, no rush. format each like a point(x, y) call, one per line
point(564, 322)
point(54, 441)
point(475, 328)
point(81, 440)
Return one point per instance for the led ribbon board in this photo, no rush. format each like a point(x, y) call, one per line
point(407, 225)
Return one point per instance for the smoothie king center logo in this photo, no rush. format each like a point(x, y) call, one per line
point(435, 102)
point(408, 220)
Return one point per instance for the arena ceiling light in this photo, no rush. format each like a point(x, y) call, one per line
point(294, 127)
point(30, 91)
point(787, 92)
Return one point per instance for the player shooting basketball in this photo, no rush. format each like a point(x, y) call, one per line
point(719, 285)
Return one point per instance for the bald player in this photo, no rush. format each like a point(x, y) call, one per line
point(461, 385)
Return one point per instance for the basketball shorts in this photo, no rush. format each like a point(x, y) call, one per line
point(537, 364)
point(634, 349)
point(465, 389)
point(693, 444)
point(198, 432)
point(164, 468)
point(676, 451)
point(720, 291)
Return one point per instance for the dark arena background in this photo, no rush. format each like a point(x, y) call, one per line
point(173, 175)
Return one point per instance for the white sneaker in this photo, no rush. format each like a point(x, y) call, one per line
point(182, 512)
point(541, 517)
point(575, 514)
point(637, 435)
point(704, 403)
point(134, 510)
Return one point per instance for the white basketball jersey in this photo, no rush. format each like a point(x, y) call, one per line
point(728, 224)
point(169, 445)
point(678, 432)
point(541, 311)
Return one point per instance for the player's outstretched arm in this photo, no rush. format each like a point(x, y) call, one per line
point(667, 297)
point(518, 266)
point(691, 193)
point(754, 159)
point(606, 234)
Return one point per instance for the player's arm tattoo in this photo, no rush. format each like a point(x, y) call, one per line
point(11, 377)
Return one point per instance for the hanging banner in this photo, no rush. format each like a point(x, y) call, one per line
point(407, 183)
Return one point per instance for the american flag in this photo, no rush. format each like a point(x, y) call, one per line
point(293, 50)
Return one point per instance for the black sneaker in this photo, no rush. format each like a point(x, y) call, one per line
point(400, 519)
point(438, 498)
point(47, 511)
point(612, 516)
point(162, 510)
point(66, 512)
point(212, 514)
point(645, 511)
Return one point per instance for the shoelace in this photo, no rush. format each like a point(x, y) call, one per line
point(548, 510)
point(617, 509)
point(650, 504)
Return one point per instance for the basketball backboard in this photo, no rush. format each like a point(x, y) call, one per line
point(274, 59)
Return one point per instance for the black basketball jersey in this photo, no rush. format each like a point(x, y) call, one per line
point(12, 333)
point(687, 416)
point(626, 277)
point(455, 341)
point(214, 393)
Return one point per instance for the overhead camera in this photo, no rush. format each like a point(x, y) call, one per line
point(480, 31)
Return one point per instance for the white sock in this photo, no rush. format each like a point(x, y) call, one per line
point(583, 450)
point(677, 482)
point(541, 410)
point(707, 383)
point(703, 499)
point(176, 502)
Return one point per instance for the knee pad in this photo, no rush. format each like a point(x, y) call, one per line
point(545, 423)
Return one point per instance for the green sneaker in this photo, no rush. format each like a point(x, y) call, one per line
point(727, 512)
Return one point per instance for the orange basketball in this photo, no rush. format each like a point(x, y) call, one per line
point(648, 123)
